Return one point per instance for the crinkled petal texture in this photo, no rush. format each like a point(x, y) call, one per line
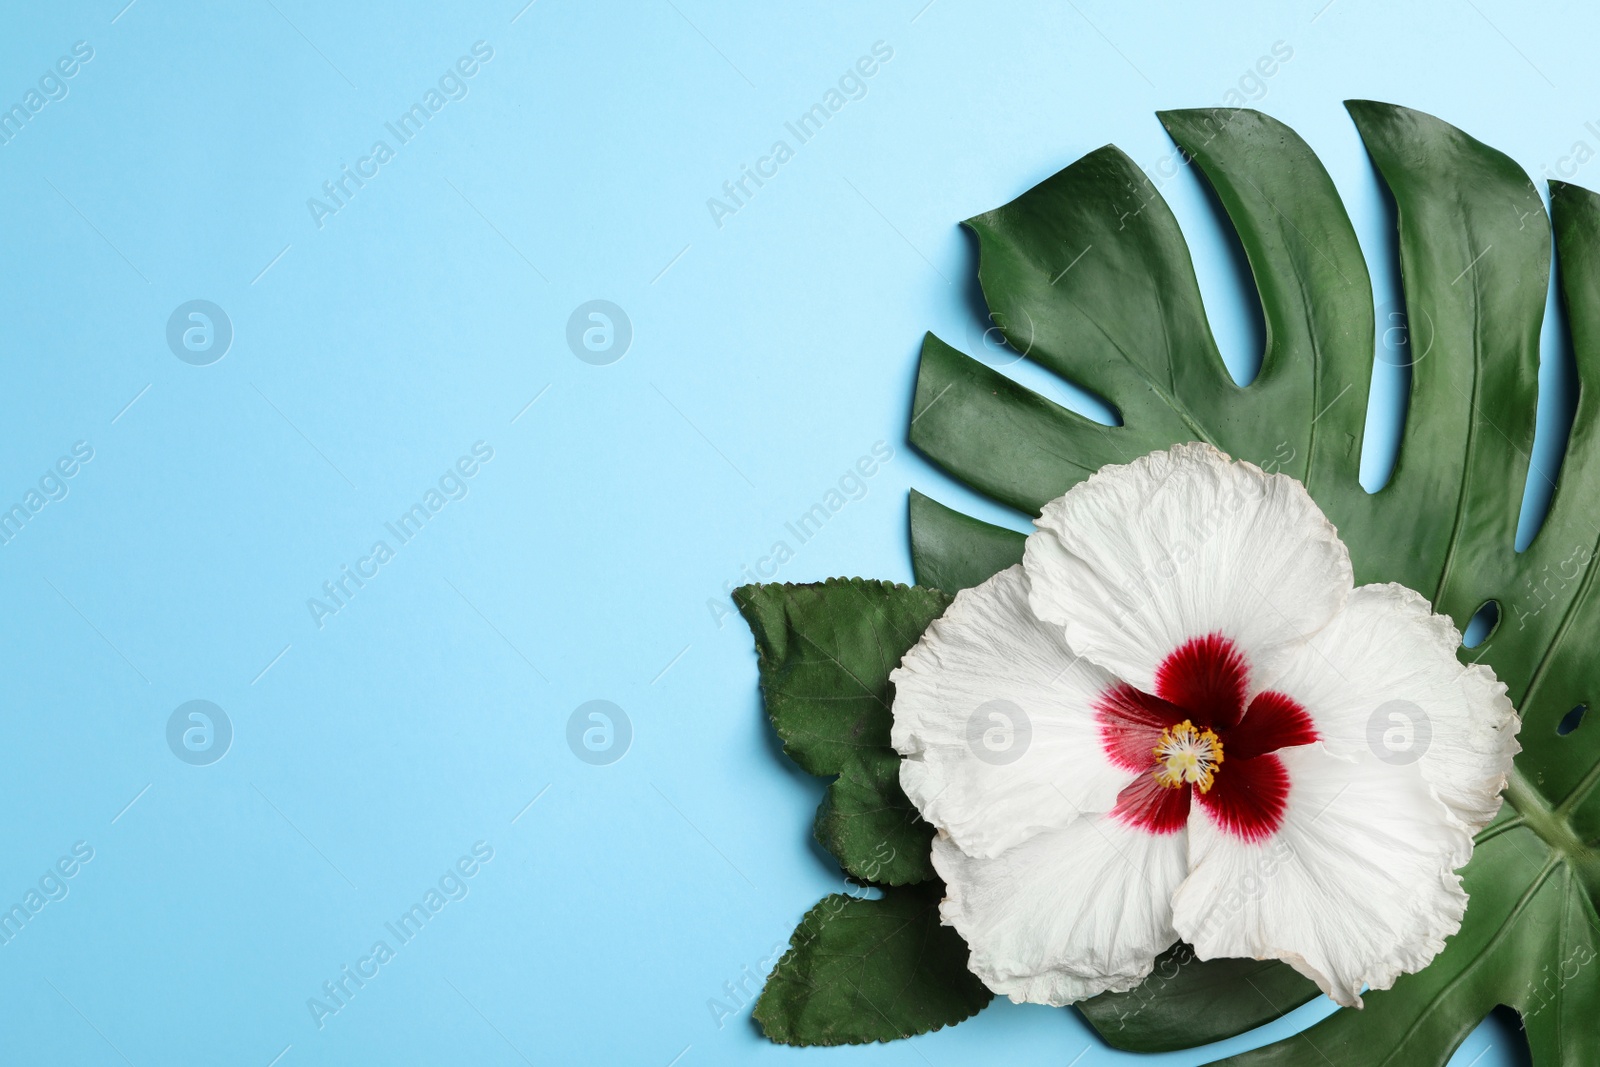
point(1068, 913)
point(1356, 887)
point(1179, 544)
point(1382, 679)
point(990, 708)
point(1178, 717)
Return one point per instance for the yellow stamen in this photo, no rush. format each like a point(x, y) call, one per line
point(1187, 755)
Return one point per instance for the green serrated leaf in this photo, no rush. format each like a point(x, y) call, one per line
point(825, 652)
point(1089, 275)
point(870, 970)
point(866, 817)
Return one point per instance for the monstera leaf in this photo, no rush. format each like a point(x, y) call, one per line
point(1088, 276)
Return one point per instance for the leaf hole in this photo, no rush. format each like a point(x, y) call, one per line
point(1503, 1030)
point(1556, 409)
point(1571, 720)
point(1482, 624)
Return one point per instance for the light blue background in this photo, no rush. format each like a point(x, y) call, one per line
point(591, 557)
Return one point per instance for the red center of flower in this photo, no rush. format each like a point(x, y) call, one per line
point(1200, 690)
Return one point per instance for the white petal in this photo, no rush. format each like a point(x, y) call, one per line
point(993, 715)
point(1383, 680)
point(1179, 544)
point(1068, 913)
point(1356, 887)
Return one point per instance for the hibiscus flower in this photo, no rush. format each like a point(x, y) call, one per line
point(1178, 718)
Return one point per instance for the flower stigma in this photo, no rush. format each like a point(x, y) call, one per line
point(1186, 754)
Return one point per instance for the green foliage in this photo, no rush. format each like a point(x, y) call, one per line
point(1088, 275)
point(857, 970)
point(824, 653)
point(870, 970)
point(1126, 320)
point(1187, 1001)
